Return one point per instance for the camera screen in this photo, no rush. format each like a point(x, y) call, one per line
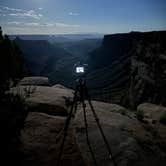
point(79, 69)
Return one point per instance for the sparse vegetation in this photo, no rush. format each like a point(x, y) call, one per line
point(123, 111)
point(163, 118)
point(140, 115)
point(12, 106)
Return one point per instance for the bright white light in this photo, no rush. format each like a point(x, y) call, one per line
point(79, 69)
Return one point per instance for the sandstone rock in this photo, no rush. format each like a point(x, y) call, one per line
point(63, 88)
point(59, 86)
point(131, 143)
point(110, 107)
point(46, 99)
point(152, 114)
point(151, 111)
point(37, 81)
point(40, 145)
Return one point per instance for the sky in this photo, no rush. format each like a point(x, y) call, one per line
point(81, 16)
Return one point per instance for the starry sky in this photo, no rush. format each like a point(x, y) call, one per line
point(81, 16)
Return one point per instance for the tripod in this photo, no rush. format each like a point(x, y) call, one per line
point(80, 94)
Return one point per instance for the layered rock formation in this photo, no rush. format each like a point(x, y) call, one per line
point(132, 66)
point(42, 134)
point(40, 56)
point(41, 142)
point(53, 100)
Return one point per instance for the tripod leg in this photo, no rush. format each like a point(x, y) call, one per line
point(75, 107)
point(100, 128)
point(66, 127)
point(87, 136)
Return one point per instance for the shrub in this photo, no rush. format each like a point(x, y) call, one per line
point(140, 115)
point(12, 107)
point(123, 111)
point(13, 113)
point(163, 118)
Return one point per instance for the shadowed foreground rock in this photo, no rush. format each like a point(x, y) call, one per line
point(41, 141)
point(132, 142)
point(51, 100)
point(151, 111)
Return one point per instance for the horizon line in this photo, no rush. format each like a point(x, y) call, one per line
point(84, 33)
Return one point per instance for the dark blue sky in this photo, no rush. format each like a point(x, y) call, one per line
point(81, 16)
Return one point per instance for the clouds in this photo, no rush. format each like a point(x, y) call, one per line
point(73, 14)
point(27, 14)
point(20, 13)
point(31, 21)
point(14, 23)
point(11, 9)
point(22, 24)
point(42, 25)
point(39, 28)
point(66, 25)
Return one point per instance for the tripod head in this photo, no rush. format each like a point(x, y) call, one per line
point(80, 69)
point(80, 81)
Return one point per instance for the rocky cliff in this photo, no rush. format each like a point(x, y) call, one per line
point(40, 56)
point(132, 68)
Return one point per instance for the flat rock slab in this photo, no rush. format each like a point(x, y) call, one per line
point(151, 110)
point(152, 114)
point(41, 139)
point(44, 99)
point(36, 81)
point(59, 86)
point(131, 142)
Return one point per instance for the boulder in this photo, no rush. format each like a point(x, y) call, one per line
point(55, 101)
point(130, 141)
point(36, 81)
point(109, 107)
point(59, 86)
point(151, 111)
point(152, 114)
point(63, 88)
point(41, 139)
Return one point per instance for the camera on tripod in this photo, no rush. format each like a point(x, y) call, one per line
point(80, 95)
point(80, 68)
